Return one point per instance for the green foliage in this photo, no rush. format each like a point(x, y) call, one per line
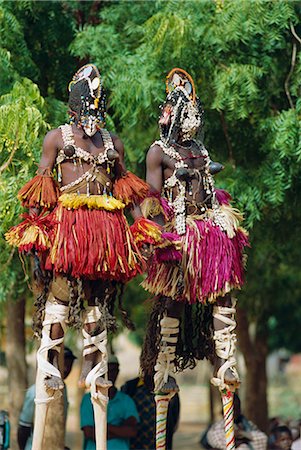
point(13, 41)
point(239, 54)
point(22, 126)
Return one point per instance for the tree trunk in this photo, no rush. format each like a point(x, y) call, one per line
point(256, 386)
point(16, 362)
point(255, 352)
point(54, 437)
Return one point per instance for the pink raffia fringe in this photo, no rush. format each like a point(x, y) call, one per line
point(223, 197)
point(169, 250)
point(212, 264)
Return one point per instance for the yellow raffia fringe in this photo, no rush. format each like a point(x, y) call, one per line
point(151, 207)
point(31, 235)
point(150, 230)
point(75, 201)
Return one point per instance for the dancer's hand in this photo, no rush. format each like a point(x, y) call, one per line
point(147, 250)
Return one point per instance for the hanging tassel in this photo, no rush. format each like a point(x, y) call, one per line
point(223, 197)
point(130, 189)
point(41, 191)
point(145, 231)
point(169, 249)
point(31, 234)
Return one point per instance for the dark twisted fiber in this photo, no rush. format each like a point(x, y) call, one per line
point(151, 344)
point(204, 322)
point(196, 337)
point(76, 304)
point(124, 314)
point(185, 352)
point(107, 319)
point(40, 302)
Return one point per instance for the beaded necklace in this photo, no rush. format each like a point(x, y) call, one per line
point(80, 155)
point(178, 204)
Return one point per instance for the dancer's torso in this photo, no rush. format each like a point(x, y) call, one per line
point(82, 163)
point(190, 157)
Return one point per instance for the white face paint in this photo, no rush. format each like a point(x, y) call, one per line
point(91, 126)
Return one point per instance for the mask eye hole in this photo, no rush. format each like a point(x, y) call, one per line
point(176, 80)
point(95, 83)
point(86, 72)
point(188, 87)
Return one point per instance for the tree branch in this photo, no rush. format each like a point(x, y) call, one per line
point(295, 34)
point(286, 83)
point(227, 137)
point(7, 163)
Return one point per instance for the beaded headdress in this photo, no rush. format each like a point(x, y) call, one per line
point(87, 97)
point(184, 108)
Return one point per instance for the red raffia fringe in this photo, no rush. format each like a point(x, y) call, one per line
point(130, 189)
point(212, 265)
point(41, 191)
point(34, 233)
point(145, 231)
point(94, 244)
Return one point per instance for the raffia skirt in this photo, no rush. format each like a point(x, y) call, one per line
point(210, 261)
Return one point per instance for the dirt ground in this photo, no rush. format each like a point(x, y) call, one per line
point(186, 438)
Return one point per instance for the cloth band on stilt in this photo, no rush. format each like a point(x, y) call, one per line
point(54, 313)
point(165, 361)
point(225, 340)
point(93, 344)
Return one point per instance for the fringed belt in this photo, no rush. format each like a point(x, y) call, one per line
point(76, 201)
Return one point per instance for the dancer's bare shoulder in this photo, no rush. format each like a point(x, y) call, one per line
point(154, 160)
point(118, 144)
point(154, 157)
point(52, 142)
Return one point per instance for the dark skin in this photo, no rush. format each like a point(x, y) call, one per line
point(159, 167)
point(128, 428)
point(53, 142)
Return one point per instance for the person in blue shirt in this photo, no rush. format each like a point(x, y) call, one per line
point(122, 415)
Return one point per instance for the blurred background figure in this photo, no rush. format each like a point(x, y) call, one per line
point(280, 438)
point(122, 415)
point(4, 430)
point(25, 427)
point(247, 435)
point(141, 390)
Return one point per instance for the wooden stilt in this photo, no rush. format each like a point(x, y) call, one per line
point(162, 402)
point(100, 415)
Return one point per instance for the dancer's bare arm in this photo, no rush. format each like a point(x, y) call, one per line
point(154, 174)
point(154, 168)
point(50, 148)
point(135, 209)
point(23, 436)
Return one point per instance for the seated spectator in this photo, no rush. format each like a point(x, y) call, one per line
point(122, 415)
point(280, 438)
point(141, 391)
point(294, 426)
point(25, 427)
point(247, 435)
